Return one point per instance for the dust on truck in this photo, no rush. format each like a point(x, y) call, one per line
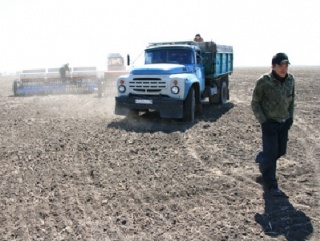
point(176, 78)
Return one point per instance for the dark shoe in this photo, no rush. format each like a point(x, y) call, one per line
point(259, 180)
point(259, 158)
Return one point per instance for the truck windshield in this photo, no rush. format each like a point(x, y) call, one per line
point(173, 56)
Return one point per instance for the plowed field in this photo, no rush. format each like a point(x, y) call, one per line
point(72, 170)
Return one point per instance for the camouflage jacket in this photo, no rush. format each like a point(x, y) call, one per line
point(272, 99)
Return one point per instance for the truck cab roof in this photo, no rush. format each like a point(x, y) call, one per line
point(182, 44)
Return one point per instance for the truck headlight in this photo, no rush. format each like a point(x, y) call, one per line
point(122, 88)
point(175, 89)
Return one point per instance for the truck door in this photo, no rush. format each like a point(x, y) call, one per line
point(199, 69)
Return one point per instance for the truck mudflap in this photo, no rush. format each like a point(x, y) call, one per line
point(167, 107)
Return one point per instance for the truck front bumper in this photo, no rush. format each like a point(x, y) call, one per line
point(167, 107)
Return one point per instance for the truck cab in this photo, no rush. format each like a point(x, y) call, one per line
point(175, 79)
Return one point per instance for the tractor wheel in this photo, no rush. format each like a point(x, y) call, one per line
point(15, 88)
point(100, 86)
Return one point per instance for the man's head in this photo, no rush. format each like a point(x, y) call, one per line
point(280, 58)
point(197, 38)
point(280, 63)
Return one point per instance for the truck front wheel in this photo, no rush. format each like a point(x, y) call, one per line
point(189, 106)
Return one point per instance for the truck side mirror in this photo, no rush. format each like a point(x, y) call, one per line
point(128, 59)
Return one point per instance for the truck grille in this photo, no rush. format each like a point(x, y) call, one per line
point(147, 85)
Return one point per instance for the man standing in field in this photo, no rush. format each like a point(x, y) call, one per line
point(62, 72)
point(273, 106)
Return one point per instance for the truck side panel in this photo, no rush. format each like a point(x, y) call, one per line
point(223, 63)
point(217, 59)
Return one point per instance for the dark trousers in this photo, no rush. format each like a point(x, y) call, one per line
point(274, 145)
point(62, 75)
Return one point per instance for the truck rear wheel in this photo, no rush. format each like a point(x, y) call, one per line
point(223, 93)
point(222, 96)
point(189, 106)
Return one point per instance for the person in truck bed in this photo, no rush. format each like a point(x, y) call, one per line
point(273, 106)
point(62, 71)
point(198, 38)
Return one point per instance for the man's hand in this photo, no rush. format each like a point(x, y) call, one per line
point(289, 122)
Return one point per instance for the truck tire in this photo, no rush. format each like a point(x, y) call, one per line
point(222, 96)
point(189, 106)
point(223, 93)
point(15, 87)
point(119, 110)
point(133, 113)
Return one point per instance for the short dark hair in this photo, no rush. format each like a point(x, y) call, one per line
point(280, 58)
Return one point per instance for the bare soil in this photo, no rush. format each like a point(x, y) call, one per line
point(72, 170)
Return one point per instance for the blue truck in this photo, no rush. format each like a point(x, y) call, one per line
point(176, 79)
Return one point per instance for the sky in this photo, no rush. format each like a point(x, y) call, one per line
point(49, 33)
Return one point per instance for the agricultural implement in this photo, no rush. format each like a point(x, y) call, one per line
point(48, 81)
